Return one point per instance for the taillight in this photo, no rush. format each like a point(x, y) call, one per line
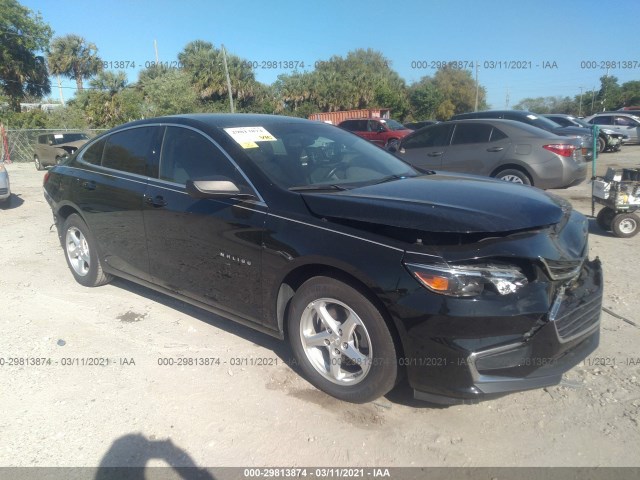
point(561, 149)
point(45, 178)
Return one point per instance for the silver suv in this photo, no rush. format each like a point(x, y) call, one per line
point(54, 147)
point(624, 123)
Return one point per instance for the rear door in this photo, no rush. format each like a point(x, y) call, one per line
point(475, 148)
point(109, 188)
point(426, 148)
point(207, 249)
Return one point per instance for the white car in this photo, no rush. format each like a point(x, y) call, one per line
point(620, 122)
point(5, 188)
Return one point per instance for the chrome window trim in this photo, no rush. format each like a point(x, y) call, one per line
point(165, 124)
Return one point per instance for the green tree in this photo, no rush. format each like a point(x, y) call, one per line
point(167, 92)
point(23, 37)
point(458, 91)
point(424, 99)
point(71, 56)
point(544, 105)
point(630, 94)
point(609, 96)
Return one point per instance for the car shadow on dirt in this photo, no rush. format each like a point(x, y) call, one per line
point(14, 201)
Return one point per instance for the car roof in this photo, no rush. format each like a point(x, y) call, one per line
point(508, 125)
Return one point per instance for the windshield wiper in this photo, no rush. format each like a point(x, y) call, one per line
point(308, 188)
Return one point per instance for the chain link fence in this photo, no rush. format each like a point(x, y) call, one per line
point(20, 144)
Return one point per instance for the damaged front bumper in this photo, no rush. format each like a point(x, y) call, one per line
point(559, 340)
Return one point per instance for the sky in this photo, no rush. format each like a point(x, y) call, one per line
point(523, 48)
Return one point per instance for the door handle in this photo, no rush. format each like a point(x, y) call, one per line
point(88, 185)
point(434, 154)
point(495, 149)
point(157, 201)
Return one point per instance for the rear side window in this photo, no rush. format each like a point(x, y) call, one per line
point(132, 151)
point(497, 135)
point(471, 133)
point(93, 154)
point(436, 136)
point(188, 155)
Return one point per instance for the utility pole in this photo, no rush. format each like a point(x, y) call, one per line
point(155, 47)
point(226, 71)
point(580, 106)
point(604, 95)
point(477, 88)
point(60, 90)
point(593, 97)
point(506, 102)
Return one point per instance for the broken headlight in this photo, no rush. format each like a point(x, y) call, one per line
point(469, 280)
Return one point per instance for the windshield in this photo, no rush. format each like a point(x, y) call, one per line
point(581, 122)
point(393, 125)
point(60, 138)
point(315, 154)
point(542, 122)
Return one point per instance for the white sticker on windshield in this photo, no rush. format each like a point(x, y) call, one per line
point(531, 117)
point(247, 137)
point(57, 135)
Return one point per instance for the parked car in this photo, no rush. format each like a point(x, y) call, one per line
point(384, 133)
point(608, 140)
point(623, 123)
point(419, 125)
point(470, 286)
point(54, 147)
point(504, 149)
point(5, 185)
point(530, 118)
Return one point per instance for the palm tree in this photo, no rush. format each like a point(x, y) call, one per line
point(71, 56)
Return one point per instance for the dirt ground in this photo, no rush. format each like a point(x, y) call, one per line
point(130, 410)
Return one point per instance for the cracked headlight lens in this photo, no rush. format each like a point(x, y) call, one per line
point(468, 280)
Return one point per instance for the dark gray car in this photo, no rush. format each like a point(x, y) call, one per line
point(503, 149)
point(583, 134)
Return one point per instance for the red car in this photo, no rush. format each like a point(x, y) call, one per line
point(383, 132)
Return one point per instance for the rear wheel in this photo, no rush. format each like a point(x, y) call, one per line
point(341, 341)
point(625, 225)
point(513, 175)
point(81, 253)
point(604, 218)
point(602, 145)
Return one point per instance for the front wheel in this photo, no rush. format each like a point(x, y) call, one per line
point(513, 175)
point(625, 225)
point(341, 341)
point(602, 145)
point(392, 145)
point(81, 253)
point(37, 162)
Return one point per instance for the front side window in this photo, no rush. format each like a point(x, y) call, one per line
point(188, 155)
point(604, 120)
point(133, 151)
point(626, 122)
point(436, 136)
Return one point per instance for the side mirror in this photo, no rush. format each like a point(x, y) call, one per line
point(221, 188)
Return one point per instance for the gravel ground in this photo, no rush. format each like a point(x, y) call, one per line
point(251, 408)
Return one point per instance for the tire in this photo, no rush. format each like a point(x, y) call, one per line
point(36, 160)
point(602, 145)
point(356, 366)
point(625, 225)
point(513, 175)
point(604, 218)
point(81, 253)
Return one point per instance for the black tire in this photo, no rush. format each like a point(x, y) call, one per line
point(38, 163)
point(602, 145)
point(81, 253)
point(625, 225)
point(513, 175)
point(331, 366)
point(604, 218)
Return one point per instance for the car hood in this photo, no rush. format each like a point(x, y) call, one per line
point(583, 132)
point(442, 203)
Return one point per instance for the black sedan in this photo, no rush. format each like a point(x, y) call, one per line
point(470, 286)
